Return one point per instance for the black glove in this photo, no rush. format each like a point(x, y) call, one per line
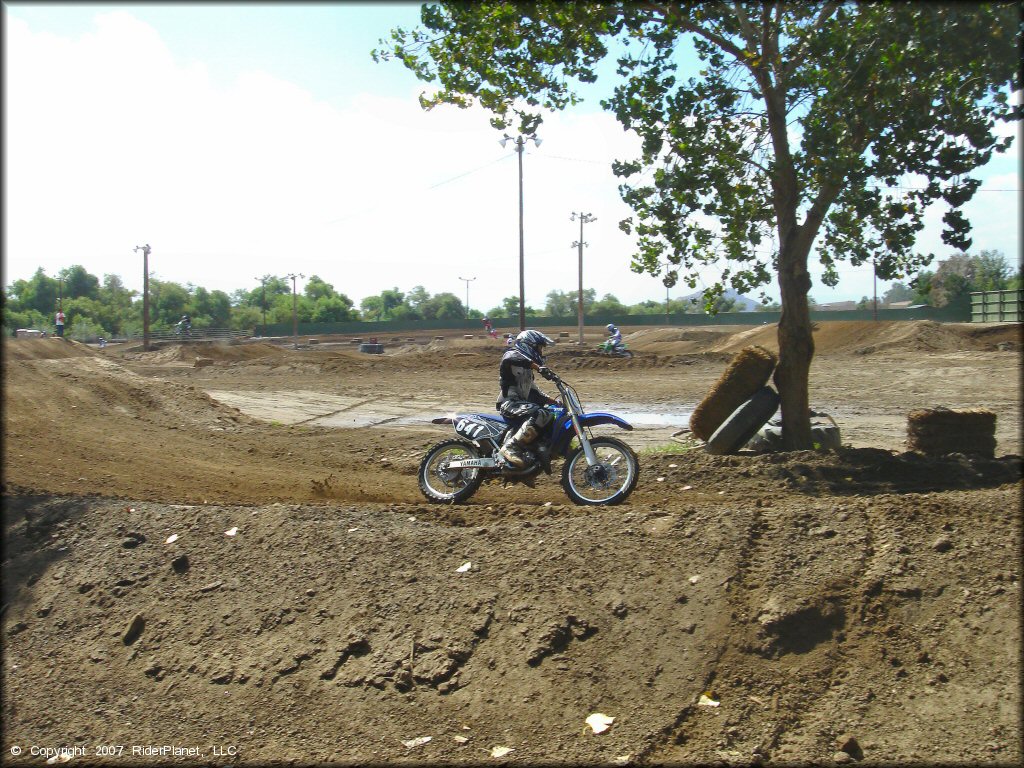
point(547, 373)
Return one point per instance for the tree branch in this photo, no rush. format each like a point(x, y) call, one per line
point(826, 11)
point(668, 13)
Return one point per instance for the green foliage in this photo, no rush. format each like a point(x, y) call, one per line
point(962, 274)
point(802, 120)
point(77, 283)
point(898, 292)
point(566, 303)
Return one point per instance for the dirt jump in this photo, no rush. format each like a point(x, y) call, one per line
point(219, 554)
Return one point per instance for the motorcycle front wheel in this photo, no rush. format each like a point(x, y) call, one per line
point(438, 483)
point(609, 481)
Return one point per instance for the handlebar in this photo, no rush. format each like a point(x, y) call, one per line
point(548, 374)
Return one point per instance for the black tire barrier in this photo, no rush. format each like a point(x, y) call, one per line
point(749, 370)
point(372, 349)
point(744, 422)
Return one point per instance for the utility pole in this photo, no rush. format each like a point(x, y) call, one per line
point(874, 304)
point(145, 293)
point(520, 141)
point(295, 309)
point(584, 219)
point(467, 281)
point(263, 300)
point(669, 280)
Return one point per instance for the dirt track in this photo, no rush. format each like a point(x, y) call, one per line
point(869, 592)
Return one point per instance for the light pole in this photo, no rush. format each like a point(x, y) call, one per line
point(145, 293)
point(520, 141)
point(263, 300)
point(467, 281)
point(295, 309)
point(584, 219)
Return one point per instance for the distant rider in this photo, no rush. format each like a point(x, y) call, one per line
point(521, 402)
point(185, 325)
point(614, 337)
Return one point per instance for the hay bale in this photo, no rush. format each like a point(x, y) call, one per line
point(745, 375)
point(941, 431)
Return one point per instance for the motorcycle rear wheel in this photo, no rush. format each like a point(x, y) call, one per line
point(438, 483)
point(609, 481)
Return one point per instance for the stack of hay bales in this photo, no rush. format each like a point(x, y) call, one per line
point(745, 375)
point(940, 431)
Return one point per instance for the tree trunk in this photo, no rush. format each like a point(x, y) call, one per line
point(796, 343)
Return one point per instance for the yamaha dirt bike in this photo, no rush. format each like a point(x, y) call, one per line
point(615, 350)
point(597, 470)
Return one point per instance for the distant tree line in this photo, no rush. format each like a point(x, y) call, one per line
point(95, 307)
point(953, 280)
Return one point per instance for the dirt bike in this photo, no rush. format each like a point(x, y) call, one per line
point(615, 350)
point(597, 470)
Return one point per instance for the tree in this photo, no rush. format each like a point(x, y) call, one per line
point(78, 283)
point(561, 304)
point(443, 306)
point(609, 305)
point(800, 122)
point(962, 274)
point(316, 288)
point(898, 292)
point(510, 307)
point(38, 293)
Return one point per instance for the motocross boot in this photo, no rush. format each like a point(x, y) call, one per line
point(512, 449)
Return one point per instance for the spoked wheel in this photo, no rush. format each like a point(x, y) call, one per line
point(626, 354)
point(438, 483)
point(609, 481)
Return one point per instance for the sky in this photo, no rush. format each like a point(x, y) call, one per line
point(244, 140)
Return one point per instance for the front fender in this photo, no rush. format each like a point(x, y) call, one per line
point(594, 419)
point(561, 441)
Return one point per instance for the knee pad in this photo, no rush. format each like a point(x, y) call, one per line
point(542, 418)
point(527, 433)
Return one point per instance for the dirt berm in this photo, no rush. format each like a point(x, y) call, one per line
point(232, 564)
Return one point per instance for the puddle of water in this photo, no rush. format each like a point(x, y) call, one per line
point(341, 412)
point(645, 415)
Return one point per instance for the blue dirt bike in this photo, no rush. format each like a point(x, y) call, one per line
point(597, 470)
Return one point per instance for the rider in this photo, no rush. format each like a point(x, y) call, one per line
point(614, 336)
point(521, 402)
point(185, 324)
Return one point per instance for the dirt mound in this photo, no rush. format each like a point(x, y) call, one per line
point(282, 590)
point(219, 352)
point(51, 348)
point(866, 337)
point(675, 341)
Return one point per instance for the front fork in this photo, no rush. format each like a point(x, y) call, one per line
point(588, 449)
